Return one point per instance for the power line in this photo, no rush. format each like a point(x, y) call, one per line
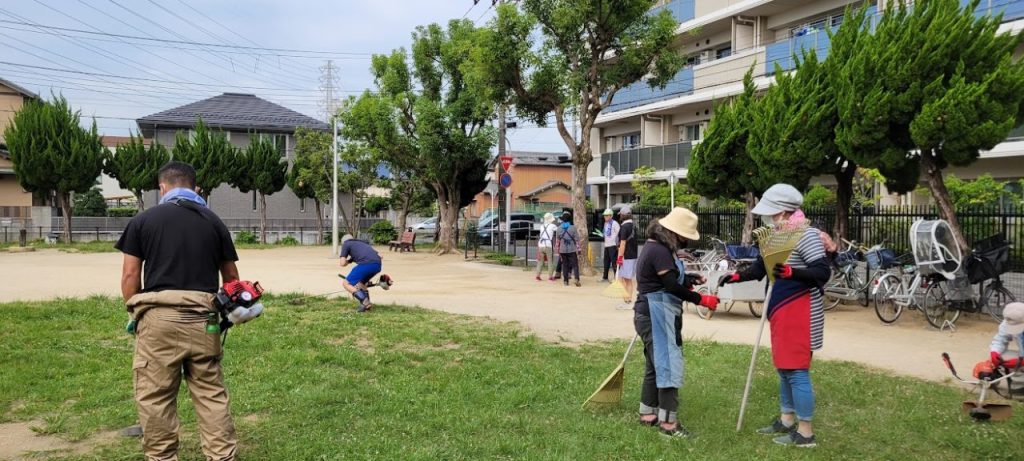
point(195, 43)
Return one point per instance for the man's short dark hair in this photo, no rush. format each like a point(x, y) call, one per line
point(178, 174)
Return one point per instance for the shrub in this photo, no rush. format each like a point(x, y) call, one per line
point(382, 232)
point(376, 204)
point(90, 203)
point(287, 241)
point(819, 196)
point(246, 238)
point(122, 212)
point(504, 259)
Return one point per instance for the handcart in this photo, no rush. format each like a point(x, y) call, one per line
point(752, 292)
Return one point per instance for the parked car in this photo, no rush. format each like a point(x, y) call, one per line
point(426, 228)
point(523, 225)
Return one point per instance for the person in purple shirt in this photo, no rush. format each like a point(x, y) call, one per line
point(368, 264)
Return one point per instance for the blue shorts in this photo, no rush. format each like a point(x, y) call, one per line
point(362, 273)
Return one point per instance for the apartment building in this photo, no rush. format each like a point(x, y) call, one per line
point(721, 40)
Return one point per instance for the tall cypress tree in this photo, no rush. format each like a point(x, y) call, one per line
point(135, 166)
point(260, 168)
point(209, 152)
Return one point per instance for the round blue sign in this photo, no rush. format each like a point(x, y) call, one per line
point(505, 180)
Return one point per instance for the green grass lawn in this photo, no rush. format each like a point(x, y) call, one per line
point(319, 382)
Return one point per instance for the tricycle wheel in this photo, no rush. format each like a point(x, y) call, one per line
point(702, 311)
point(755, 309)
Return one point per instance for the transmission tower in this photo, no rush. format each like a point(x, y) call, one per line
point(329, 87)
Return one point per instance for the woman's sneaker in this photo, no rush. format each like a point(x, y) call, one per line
point(776, 427)
point(679, 432)
point(797, 439)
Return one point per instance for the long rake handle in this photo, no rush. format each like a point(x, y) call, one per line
point(753, 359)
point(630, 348)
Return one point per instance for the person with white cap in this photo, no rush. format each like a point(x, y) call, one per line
point(545, 243)
point(663, 285)
point(368, 264)
point(611, 243)
point(1011, 329)
point(795, 312)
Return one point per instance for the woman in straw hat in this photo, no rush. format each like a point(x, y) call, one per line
point(795, 311)
point(663, 285)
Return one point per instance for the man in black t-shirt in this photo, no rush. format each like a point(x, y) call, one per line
point(181, 247)
point(627, 255)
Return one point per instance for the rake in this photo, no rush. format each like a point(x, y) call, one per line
point(610, 391)
point(776, 244)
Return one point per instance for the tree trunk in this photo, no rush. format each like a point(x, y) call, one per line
point(64, 201)
point(581, 220)
point(139, 201)
point(448, 202)
point(933, 176)
point(748, 219)
point(263, 218)
point(319, 222)
point(844, 197)
point(403, 214)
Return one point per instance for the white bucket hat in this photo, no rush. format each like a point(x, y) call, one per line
point(549, 218)
point(779, 198)
point(346, 237)
point(682, 222)
point(1013, 319)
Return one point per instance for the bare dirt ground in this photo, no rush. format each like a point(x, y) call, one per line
point(552, 311)
point(19, 442)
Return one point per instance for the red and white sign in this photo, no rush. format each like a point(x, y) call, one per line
point(506, 162)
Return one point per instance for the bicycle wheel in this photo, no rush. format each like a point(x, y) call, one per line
point(995, 299)
point(886, 307)
point(702, 311)
point(859, 284)
point(830, 300)
point(936, 307)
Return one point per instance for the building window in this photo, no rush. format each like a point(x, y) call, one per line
point(690, 132)
point(302, 205)
point(723, 52)
point(609, 144)
point(281, 144)
point(253, 200)
point(631, 141)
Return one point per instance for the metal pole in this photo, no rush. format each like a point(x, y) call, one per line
point(334, 192)
point(672, 191)
point(508, 191)
point(608, 186)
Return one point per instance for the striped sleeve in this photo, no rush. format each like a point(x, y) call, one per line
point(809, 248)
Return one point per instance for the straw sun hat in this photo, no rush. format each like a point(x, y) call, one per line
point(682, 222)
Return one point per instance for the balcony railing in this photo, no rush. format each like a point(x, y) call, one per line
point(641, 93)
point(682, 10)
point(783, 52)
point(661, 158)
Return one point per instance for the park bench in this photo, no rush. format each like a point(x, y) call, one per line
point(406, 243)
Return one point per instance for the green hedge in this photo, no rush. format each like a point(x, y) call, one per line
point(122, 212)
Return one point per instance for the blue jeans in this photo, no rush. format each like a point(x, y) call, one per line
point(796, 394)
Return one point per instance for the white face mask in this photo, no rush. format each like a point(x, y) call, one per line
point(768, 221)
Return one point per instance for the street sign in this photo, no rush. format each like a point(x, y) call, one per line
point(609, 171)
point(505, 163)
point(672, 177)
point(505, 180)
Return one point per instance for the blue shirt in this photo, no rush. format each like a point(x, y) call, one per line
point(360, 251)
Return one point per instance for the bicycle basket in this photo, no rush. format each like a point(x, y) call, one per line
point(990, 258)
point(846, 258)
point(881, 258)
point(736, 252)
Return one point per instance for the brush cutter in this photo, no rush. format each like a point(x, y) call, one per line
point(988, 377)
point(610, 391)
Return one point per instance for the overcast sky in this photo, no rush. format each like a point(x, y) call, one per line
point(118, 79)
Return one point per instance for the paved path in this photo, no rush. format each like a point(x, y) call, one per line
point(552, 311)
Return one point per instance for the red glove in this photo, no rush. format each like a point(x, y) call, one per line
point(731, 278)
point(618, 262)
point(709, 301)
point(1011, 364)
point(784, 271)
point(997, 358)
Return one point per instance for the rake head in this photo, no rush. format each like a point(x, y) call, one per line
point(776, 243)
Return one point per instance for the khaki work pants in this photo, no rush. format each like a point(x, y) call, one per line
point(171, 342)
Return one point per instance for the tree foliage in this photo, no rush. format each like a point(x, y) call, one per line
point(209, 152)
point(570, 58)
point(310, 175)
point(260, 168)
point(427, 120)
point(931, 87)
point(135, 166)
point(90, 203)
point(51, 152)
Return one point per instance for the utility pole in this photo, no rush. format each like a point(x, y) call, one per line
point(508, 190)
point(328, 82)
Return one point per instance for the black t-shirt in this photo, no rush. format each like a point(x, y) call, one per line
point(180, 249)
point(654, 258)
point(627, 233)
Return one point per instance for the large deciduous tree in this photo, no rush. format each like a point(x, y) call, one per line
point(209, 152)
point(721, 167)
point(135, 166)
point(932, 86)
point(569, 58)
point(260, 168)
point(425, 114)
point(310, 176)
point(51, 152)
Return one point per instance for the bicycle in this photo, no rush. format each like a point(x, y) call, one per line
point(904, 288)
point(988, 261)
point(846, 283)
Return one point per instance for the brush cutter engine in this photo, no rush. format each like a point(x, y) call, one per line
point(239, 302)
